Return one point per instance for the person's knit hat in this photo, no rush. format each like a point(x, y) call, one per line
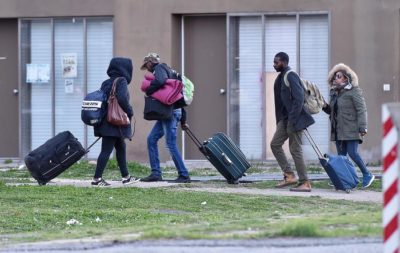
point(151, 57)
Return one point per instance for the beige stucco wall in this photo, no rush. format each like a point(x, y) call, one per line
point(364, 35)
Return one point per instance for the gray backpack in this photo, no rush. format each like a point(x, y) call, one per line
point(313, 99)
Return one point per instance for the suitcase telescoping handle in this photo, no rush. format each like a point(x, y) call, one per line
point(196, 141)
point(91, 145)
point(313, 144)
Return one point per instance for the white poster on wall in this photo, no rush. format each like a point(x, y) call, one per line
point(37, 73)
point(69, 65)
point(69, 86)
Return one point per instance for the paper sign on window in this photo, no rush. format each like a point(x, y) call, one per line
point(37, 73)
point(69, 86)
point(69, 65)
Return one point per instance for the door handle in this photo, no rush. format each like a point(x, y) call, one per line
point(15, 91)
point(222, 91)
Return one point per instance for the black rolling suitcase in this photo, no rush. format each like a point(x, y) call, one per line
point(339, 168)
point(54, 157)
point(224, 154)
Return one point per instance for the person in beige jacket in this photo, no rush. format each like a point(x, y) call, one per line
point(348, 116)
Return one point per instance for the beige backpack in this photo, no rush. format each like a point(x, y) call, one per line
point(313, 99)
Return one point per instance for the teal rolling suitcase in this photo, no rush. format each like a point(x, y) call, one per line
point(224, 154)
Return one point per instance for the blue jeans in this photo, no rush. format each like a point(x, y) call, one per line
point(169, 128)
point(350, 147)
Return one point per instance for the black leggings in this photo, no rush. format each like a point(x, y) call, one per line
point(107, 146)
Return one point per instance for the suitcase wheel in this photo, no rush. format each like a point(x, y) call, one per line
point(41, 183)
point(233, 181)
point(348, 191)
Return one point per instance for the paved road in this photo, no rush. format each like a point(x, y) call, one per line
point(276, 245)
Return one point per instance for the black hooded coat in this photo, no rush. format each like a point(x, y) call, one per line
point(119, 67)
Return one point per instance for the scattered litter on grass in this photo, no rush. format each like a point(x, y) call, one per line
point(204, 202)
point(98, 219)
point(73, 222)
point(110, 198)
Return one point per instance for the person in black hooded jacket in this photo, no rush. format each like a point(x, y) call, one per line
point(114, 136)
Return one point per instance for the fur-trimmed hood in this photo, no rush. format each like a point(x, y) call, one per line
point(347, 70)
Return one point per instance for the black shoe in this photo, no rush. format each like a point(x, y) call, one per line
point(130, 180)
point(182, 179)
point(151, 178)
point(100, 183)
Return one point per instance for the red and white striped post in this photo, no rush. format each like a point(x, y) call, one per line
point(390, 184)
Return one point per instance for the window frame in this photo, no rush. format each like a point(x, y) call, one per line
point(230, 17)
point(22, 70)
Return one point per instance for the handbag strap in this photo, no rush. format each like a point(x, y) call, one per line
point(114, 87)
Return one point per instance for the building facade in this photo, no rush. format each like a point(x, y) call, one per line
point(55, 51)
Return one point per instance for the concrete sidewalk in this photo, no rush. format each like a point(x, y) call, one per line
point(269, 172)
point(359, 195)
point(191, 164)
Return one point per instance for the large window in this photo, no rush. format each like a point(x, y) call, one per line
point(61, 60)
point(253, 43)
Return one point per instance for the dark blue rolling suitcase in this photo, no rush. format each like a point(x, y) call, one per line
point(340, 169)
point(224, 154)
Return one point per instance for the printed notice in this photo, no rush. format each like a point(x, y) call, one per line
point(69, 86)
point(37, 73)
point(69, 65)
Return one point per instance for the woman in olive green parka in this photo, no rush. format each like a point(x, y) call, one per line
point(348, 116)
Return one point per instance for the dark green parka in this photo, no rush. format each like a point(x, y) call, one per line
point(347, 108)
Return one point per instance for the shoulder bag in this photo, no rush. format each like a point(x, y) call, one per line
point(155, 110)
point(115, 114)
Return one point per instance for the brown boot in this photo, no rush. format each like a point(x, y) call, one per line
point(302, 187)
point(289, 178)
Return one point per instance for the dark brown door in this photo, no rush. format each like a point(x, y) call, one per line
point(205, 64)
point(9, 130)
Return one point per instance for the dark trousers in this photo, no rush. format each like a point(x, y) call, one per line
point(107, 146)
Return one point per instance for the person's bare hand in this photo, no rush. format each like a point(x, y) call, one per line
point(184, 126)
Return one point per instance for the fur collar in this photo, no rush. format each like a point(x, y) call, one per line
point(349, 72)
